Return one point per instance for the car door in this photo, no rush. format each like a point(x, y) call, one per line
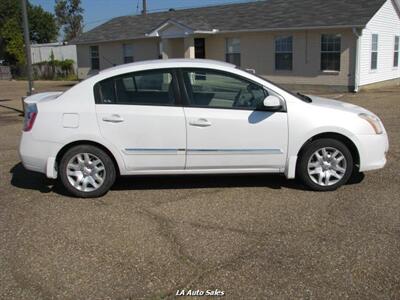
point(227, 127)
point(137, 112)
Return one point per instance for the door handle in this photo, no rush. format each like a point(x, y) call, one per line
point(200, 123)
point(113, 119)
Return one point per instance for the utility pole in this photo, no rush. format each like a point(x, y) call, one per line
point(144, 11)
point(27, 46)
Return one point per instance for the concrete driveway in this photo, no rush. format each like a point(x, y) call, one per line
point(251, 237)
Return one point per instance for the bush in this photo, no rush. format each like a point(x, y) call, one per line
point(54, 69)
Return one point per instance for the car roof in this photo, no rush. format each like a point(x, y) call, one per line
point(169, 63)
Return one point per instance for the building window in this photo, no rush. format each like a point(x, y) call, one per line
point(374, 52)
point(233, 51)
point(330, 52)
point(396, 51)
point(284, 53)
point(95, 58)
point(128, 54)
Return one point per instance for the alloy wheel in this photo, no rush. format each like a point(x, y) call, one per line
point(327, 166)
point(86, 172)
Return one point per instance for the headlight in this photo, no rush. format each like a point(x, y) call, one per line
point(373, 121)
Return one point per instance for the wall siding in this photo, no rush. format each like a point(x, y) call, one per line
point(111, 54)
point(174, 48)
point(258, 53)
point(385, 23)
point(83, 61)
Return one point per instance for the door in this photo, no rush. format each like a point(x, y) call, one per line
point(136, 112)
point(200, 48)
point(226, 126)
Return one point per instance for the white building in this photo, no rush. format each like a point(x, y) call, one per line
point(342, 43)
point(379, 46)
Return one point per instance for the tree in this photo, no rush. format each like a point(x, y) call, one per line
point(9, 9)
point(42, 29)
point(42, 25)
point(69, 15)
point(12, 42)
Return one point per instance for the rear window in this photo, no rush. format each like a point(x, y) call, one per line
point(155, 87)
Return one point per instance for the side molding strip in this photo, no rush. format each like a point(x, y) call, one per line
point(200, 151)
point(152, 151)
point(235, 151)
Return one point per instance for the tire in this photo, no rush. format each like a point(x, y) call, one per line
point(325, 170)
point(87, 171)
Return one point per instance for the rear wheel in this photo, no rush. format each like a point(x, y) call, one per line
point(325, 165)
point(87, 171)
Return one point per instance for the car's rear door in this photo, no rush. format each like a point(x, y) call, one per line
point(138, 113)
point(226, 125)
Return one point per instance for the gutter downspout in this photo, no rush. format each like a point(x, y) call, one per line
point(358, 57)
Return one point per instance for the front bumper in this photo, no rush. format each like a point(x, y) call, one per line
point(373, 150)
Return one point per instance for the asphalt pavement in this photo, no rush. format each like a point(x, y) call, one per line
point(248, 236)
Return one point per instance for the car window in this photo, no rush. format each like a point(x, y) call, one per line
point(139, 88)
point(215, 89)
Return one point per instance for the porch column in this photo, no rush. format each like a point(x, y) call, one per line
point(189, 47)
point(164, 48)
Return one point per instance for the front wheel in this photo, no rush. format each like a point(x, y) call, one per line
point(325, 165)
point(87, 171)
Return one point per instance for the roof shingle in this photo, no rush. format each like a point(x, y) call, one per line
point(259, 15)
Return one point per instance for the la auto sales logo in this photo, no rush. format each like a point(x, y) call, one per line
point(197, 293)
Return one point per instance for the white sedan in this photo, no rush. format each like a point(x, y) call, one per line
point(194, 117)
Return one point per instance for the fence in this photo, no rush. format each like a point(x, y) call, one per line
point(5, 73)
point(53, 70)
point(59, 51)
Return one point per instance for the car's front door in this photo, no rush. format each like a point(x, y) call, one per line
point(137, 113)
point(226, 126)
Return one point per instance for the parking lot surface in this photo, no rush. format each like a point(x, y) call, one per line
point(251, 236)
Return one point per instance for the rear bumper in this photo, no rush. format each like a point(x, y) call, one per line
point(373, 150)
point(38, 156)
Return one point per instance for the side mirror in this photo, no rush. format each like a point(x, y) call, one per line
point(272, 103)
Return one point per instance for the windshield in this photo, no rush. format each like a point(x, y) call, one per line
point(297, 95)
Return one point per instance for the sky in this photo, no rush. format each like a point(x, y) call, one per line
point(99, 11)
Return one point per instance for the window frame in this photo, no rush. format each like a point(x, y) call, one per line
point(283, 52)
point(124, 53)
point(339, 52)
point(396, 52)
point(92, 57)
point(374, 68)
point(227, 52)
point(185, 95)
point(177, 94)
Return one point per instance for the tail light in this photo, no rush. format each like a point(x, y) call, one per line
point(30, 116)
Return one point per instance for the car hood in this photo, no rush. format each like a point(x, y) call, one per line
point(337, 105)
